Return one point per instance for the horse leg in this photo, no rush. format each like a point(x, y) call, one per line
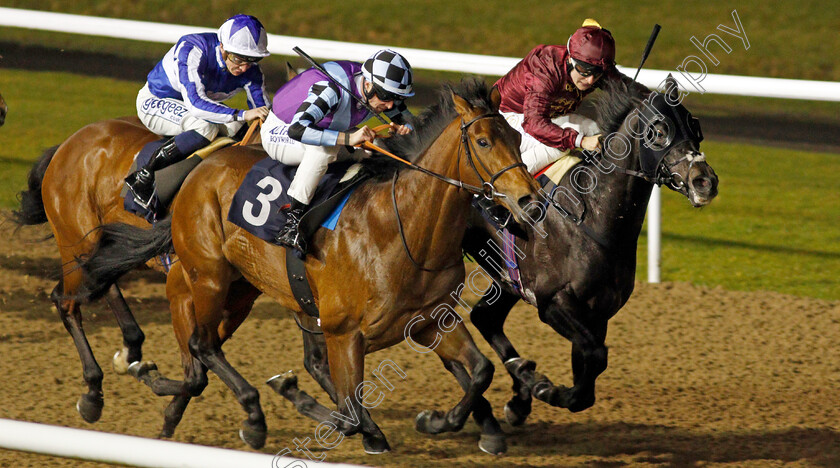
point(492, 437)
point(209, 296)
point(458, 352)
point(316, 363)
point(346, 354)
point(90, 404)
point(133, 336)
point(195, 373)
point(489, 319)
point(589, 354)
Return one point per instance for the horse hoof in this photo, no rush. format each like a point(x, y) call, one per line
point(138, 369)
point(167, 432)
point(577, 404)
point(517, 411)
point(283, 383)
point(90, 407)
point(121, 361)
point(375, 445)
point(494, 444)
point(430, 422)
point(255, 438)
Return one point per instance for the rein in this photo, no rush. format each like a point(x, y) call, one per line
point(663, 175)
point(250, 133)
point(487, 189)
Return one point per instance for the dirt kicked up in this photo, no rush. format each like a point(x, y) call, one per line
point(696, 377)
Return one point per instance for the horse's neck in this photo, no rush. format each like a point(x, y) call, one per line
point(619, 201)
point(433, 212)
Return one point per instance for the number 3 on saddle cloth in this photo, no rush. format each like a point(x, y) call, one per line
point(256, 204)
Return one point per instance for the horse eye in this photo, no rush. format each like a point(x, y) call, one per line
point(482, 142)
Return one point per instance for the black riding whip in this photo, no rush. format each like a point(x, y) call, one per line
point(648, 47)
point(331, 78)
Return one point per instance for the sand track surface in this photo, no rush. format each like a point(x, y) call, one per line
point(697, 377)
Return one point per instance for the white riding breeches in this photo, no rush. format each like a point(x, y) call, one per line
point(535, 154)
point(170, 117)
point(311, 160)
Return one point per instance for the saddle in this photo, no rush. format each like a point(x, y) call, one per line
point(167, 180)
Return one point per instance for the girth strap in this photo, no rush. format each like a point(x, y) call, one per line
point(296, 271)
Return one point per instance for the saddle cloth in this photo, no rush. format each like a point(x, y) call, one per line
point(257, 204)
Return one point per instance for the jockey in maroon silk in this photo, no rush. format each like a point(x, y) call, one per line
point(540, 94)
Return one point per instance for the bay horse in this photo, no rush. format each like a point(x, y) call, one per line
point(395, 257)
point(579, 270)
point(76, 188)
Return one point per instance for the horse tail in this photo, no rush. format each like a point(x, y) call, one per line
point(121, 248)
point(32, 210)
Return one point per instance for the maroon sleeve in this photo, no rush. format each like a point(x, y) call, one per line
point(540, 87)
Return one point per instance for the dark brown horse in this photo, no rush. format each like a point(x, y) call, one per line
point(394, 258)
point(76, 188)
point(579, 269)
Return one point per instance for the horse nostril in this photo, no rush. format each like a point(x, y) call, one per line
point(532, 208)
point(702, 184)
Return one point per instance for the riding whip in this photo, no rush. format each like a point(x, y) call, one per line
point(648, 47)
point(331, 78)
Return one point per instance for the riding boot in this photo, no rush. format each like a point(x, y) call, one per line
point(289, 235)
point(173, 150)
point(142, 182)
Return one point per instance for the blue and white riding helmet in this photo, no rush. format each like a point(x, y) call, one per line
point(245, 36)
point(390, 72)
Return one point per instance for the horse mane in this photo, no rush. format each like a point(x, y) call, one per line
point(429, 124)
point(615, 101)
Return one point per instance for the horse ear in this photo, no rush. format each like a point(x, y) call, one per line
point(290, 71)
point(672, 88)
point(495, 98)
point(461, 105)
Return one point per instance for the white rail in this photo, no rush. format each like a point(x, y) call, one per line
point(419, 58)
point(135, 451)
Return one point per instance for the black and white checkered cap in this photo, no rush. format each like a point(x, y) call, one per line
point(390, 71)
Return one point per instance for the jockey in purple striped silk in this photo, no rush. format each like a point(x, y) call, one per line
point(312, 118)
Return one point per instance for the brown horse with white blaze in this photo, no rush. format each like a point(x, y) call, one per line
point(394, 256)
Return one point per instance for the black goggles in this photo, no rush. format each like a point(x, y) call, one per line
point(242, 59)
point(587, 69)
point(386, 96)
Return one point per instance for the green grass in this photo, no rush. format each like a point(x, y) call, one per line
point(773, 226)
point(787, 38)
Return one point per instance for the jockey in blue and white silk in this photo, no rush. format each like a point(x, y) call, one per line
point(186, 87)
point(183, 94)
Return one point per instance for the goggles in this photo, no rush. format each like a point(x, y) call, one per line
point(586, 69)
point(240, 60)
point(386, 96)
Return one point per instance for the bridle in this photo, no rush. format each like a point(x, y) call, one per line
point(487, 189)
point(662, 174)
